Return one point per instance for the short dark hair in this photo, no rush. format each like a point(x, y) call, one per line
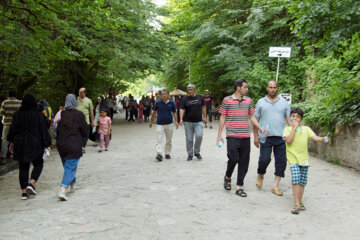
point(298, 111)
point(239, 83)
point(12, 93)
point(165, 90)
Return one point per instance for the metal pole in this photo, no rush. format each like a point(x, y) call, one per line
point(277, 70)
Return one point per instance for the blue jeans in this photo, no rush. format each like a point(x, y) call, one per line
point(70, 167)
point(278, 145)
point(191, 129)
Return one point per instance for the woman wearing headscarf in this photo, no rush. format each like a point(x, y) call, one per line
point(71, 129)
point(28, 137)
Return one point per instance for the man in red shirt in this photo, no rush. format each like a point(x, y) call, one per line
point(235, 111)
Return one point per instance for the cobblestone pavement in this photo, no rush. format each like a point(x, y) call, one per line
point(126, 194)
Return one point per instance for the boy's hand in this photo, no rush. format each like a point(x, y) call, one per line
point(295, 124)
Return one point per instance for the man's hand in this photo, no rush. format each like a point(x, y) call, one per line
point(256, 141)
point(219, 138)
point(204, 119)
point(176, 125)
point(181, 122)
point(11, 148)
point(92, 124)
point(150, 124)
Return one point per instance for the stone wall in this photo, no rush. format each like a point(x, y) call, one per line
point(345, 146)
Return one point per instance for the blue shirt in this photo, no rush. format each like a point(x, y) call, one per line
point(164, 112)
point(273, 114)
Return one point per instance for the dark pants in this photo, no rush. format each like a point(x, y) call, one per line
point(208, 113)
point(35, 173)
point(111, 113)
point(278, 145)
point(127, 113)
point(238, 152)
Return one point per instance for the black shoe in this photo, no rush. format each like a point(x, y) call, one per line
point(30, 189)
point(24, 196)
point(189, 158)
point(198, 156)
point(167, 156)
point(159, 157)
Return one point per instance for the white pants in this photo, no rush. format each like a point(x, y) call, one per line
point(162, 130)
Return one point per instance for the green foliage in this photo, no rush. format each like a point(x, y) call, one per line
point(334, 160)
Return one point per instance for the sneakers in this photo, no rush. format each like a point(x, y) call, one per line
point(259, 181)
point(198, 156)
point(24, 196)
point(295, 209)
point(62, 195)
point(159, 157)
point(72, 188)
point(167, 156)
point(189, 158)
point(30, 189)
point(277, 191)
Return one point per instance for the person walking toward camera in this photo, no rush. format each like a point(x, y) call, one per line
point(165, 109)
point(71, 129)
point(296, 138)
point(191, 110)
point(29, 137)
point(104, 130)
point(235, 112)
point(272, 111)
point(208, 103)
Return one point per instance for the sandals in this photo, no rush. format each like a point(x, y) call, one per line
point(259, 181)
point(295, 209)
point(302, 207)
point(227, 183)
point(240, 192)
point(277, 191)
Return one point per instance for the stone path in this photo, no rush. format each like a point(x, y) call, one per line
point(126, 194)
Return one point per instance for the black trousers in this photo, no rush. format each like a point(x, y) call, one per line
point(85, 139)
point(209, 114)
point(35, 173)
point(238, 152)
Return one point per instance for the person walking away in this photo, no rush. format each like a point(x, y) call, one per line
point(141, 112)
point(126, 106)
point(147, 108)
point(104, 130)
point(133, 109)
point(7, 110)
point(296, 138)
point(28, 137)
point(110, 102)
point(86, 106)
point(208, 103)
point(47, 111)
point(71, 130)
point(272, 111)
point(165, 109)
point(191, 111)
point(235, 111)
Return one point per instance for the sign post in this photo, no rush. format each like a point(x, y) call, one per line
point(279, 52)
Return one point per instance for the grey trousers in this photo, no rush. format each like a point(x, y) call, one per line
point(191, 129)
point(5, 143)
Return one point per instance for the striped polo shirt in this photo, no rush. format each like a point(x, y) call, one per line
point(237, 116)
point(8, 108)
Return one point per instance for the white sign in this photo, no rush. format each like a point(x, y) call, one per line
point(280, 52)
point(286, 96)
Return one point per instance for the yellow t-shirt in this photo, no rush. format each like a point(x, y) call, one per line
point(297, 151)
point(85, 106)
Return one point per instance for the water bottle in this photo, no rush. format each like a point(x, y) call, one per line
point(46, 154)
point(326, 139)
point(263, 136)
point(220, 143)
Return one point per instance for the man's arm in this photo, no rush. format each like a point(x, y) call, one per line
point(152, 118)
point(204, 113)
point(92, 118)
point(221, 126)
point(256, 134)
point(255, 122)
point(182, 111)
point(175, 119)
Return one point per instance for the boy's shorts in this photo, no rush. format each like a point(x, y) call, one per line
point(299, 174)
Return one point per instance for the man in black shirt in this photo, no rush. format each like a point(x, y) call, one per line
point(191, 110)
point(208, 102)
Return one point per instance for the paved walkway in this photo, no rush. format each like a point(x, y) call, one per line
point(126, 194)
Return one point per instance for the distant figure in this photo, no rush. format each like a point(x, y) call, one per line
point(86, 106)
point(110, 100)
point(8, 108)
point(28, 137)
point(133, 106)
point(141, 112)
point(71, 130)
point(147, 108)
point(208, 102)
point(47, 111)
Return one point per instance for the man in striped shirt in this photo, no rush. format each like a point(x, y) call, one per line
point(8, 108)
point(235, 112)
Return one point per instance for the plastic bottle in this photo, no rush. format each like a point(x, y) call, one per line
point(326, 139)
point(263, 136)
point(220, 143)
point(46, 154)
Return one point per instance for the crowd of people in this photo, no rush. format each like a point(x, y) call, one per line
point(26, 135)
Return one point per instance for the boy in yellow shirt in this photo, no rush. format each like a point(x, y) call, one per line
point(296, 138)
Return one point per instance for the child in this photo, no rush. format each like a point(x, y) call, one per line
point(296, 138)
point(104, 129)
